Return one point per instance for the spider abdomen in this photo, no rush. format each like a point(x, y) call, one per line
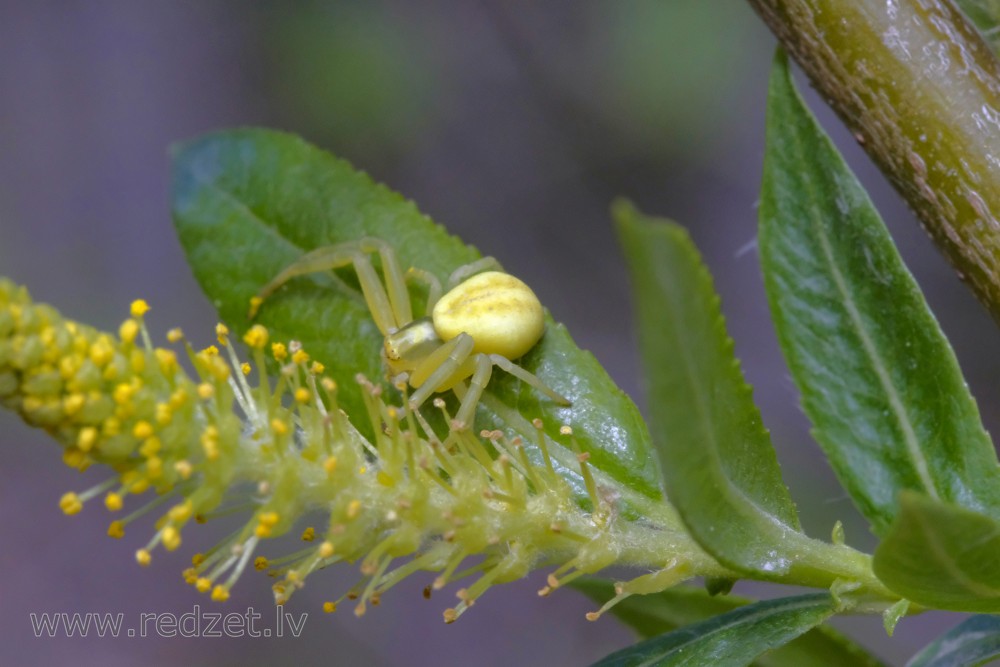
point(501, 314)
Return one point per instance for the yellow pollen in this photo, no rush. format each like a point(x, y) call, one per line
point(279, 351)
point(139, 486)
point(300, 357)
point(171, 538)
point(142, 557)
point(269, 518)
point(222, 333)
point(190, 576)
point(167, 360)
point(330, 464)
point(210, 436)
point(329, 385)
point(142, 430)
point(123, 393)
point(206, 391)
point(316, 368)
point(256, 337)
point(262, 531)
point(110, 372)
point(219, 369)
point(68, 366)
point(150, 447)
point(101, 352)
point(154, 467)
point(139, 308)
point(302, 395)
point(329, 607)
point(309, 534)
point(70, 504)
point(164, 413)
point(178, 399)
point(183, 468)
point(203, 584)
point(113, 501)
point(210, 351)
point(260, 563)
point(326, 549)
point(73, 404)
point(181, 512)
point(112, 426)
point(197, 559)
point(87, 438)
point(245, 367)
point(279, 427)
point(75, 458)
point(138, 361)
point(128, 331)
point(175, 335)
point(116, 530)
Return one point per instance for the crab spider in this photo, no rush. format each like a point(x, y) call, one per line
point(486, 318)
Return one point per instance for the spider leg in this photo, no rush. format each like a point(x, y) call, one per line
point(433, 285)
point(463, 272)
point(320, 259)
point(386, 309)
point(471, 396)
point(375, 296)
point(509, 366)
point(438, 367)
point(395, 282)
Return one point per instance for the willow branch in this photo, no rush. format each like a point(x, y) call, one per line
point(920, 90)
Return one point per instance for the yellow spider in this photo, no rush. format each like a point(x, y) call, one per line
point(485, 319)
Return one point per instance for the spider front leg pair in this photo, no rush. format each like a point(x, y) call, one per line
point(486, 318)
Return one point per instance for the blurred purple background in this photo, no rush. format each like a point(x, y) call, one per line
point(513, 124)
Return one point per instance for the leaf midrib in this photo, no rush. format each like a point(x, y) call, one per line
point(733, 492)
point(948, 562)
point(811, 602)
point(231, 197)
point(898, 410)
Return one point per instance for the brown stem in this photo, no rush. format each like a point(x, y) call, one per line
point(920, 90)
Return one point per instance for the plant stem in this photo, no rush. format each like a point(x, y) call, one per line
point(920, 90)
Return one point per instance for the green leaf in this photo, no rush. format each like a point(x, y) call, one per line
point(657, 613)
point(878, 379)
point(716, 456)
point(733, 639)
point(941, 556)
point(974, 641)
point(985, 15)
point(246, 203)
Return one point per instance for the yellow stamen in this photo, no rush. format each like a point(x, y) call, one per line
point(128, 331)
point(256, 337)
point(70, 504)
point(139, 308)
point(113, 501)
